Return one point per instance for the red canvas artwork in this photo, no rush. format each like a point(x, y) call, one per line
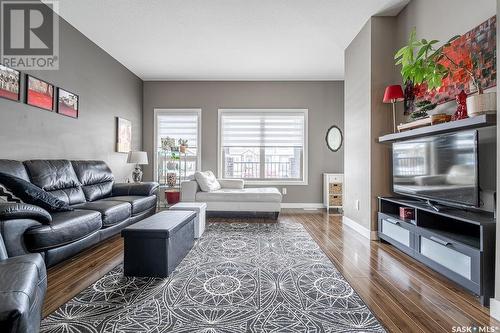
point(40, 93)
point(476, 51)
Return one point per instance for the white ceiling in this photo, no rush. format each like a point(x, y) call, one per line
point(226, 39)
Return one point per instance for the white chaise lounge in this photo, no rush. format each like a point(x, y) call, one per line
point(233, 196)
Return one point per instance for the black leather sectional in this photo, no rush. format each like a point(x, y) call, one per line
point(32, 238)
point(102, 208)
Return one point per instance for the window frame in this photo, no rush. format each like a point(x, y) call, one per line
point(174, 111)
point(305, 148)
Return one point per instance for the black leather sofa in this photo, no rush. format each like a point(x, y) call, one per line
point(23, 283)
point(102, 208)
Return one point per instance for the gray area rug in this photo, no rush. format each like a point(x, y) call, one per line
point(239, 277)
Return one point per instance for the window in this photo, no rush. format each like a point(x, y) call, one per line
point(177, 124)
point(266, 146)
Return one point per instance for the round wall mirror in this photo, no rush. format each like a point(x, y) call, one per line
point(334, 138)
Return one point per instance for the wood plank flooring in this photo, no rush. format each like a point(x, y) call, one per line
point(405, 295)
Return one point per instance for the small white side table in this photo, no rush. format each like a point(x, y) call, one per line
point(200, 209)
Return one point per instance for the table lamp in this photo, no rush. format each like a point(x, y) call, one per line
point(392, 95)
point(138, 158)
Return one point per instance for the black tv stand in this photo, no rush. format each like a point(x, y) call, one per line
point(458, 243)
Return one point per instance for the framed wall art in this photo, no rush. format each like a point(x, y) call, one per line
point(123, 135)
point(39, 93)
point(67, 103)
point(10, 82)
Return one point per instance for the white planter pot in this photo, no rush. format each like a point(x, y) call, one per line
point(482, 104)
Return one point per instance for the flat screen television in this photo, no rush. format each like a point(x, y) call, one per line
point(441, 168)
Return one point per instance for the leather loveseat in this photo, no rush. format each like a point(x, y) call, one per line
point(102, 208)
point(23, 283)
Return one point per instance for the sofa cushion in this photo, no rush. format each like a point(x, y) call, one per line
point(66, 227)
point(56, 177)
point(14, 168)
point(96, 178)
point(112, 212)
point(264, 194)
point(32, 194)
point(139, 203)
point(207, 181)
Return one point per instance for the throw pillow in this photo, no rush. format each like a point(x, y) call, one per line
point(207, 181)
point(32, 194)
point(7, 196)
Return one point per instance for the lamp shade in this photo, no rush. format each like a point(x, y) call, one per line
point(137, 157)
point(393, 94)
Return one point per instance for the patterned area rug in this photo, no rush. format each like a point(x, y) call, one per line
point(239, 277)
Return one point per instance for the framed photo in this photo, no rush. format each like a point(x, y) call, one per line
point(123, 135)
point(39, 93)
point(67, 103)
point(10, 81)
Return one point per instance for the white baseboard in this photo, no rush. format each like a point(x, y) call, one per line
point(495, 308)
point(372, 235)
point(305, 205)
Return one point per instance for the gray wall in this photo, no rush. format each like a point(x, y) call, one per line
point(325, 101)
point(357, 128)
point(368, 59)
point(106, 90)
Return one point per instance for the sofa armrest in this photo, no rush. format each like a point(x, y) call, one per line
point(188, 190)
point(143, 189)
point(15, 211)
point(22, 288)
point(238, 184)
point(12, 232)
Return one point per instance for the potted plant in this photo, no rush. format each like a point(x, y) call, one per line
point(167, 143)
point(421, 62)
point(183, 144)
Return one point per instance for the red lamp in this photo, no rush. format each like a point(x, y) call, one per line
point(392, 95)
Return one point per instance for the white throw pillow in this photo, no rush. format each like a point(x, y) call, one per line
point(207, 181)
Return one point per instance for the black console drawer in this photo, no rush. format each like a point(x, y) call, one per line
point(397, 232)
point(459, 262)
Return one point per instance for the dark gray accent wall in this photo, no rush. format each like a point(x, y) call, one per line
point(106, 88)
point(325, 101)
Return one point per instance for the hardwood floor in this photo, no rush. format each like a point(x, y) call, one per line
point(405, 295)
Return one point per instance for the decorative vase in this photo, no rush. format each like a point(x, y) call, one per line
point(171, 179)
point(182, 149)
point(172, 166)
point(461, 112)
point(137, 174)
point(479, 104)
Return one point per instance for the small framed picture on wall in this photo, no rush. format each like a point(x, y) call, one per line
point(39, 93)
point(10, 82)
point(123, 135)
point(67, 103)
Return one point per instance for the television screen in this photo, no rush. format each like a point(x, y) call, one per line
point(441, 168)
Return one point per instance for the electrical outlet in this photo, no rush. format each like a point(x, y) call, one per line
point(283, 190)
point(357, 204)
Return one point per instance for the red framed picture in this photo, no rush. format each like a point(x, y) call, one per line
point(39, 93)
point(10, 80)
point(67, 103)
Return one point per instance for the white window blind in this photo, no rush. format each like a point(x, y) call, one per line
point(267, 129)
point(263, 145)
point(178, 126)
